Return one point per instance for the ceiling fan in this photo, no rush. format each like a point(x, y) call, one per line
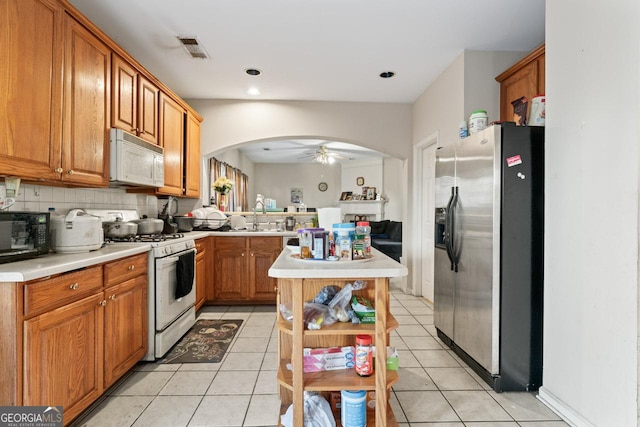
point(323, 156)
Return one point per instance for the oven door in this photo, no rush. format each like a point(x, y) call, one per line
point(168, 308)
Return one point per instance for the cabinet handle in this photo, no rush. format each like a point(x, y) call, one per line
point(243, 254)
point(58, 170)
point(74, 286)
point(103, 303)
point(251, 253)
point(112, 297)
point(131, 267)
point(275, 289)
point(70, 171)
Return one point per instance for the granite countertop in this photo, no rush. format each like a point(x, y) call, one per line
point(380, 265)
point(46, 265)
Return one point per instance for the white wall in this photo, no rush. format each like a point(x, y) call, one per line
point(591, 238)
point(467, 84)
point(384, 127)
point(276, 180)
point(371, 170)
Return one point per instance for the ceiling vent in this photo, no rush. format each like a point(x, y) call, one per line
point(193, 47)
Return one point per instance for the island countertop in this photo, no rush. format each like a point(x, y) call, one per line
point(380, 265)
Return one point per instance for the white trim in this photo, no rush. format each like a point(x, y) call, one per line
point(561, 409)
point(416, 252)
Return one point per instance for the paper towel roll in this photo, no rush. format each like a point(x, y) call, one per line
point(329, 216)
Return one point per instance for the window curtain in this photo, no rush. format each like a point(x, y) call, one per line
point(237, 197)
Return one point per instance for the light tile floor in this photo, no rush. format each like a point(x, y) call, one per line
point(435, 388)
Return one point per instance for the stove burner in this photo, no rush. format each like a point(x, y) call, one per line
point(144, 238)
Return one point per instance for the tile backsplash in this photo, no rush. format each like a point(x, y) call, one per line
point(39, 198)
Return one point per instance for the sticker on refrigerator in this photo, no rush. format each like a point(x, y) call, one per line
point(514, 161)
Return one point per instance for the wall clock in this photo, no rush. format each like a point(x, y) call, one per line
point(360, 181)
point(323, 186)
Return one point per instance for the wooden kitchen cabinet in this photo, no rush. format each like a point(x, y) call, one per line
point(32, 41)
point(75, 334)
point(56, 100)
point(134, 101)
point(230, 269)
point(241, 269)
point(262, 253)
point(86, 116)
point(64, 353)
point(204, 269)
point(172, 140)
point(525, 78)
point(192, 156)
point(125, 319)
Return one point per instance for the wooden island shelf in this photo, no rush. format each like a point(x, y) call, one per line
point(300, 281)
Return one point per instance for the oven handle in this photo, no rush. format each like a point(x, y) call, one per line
point(172, 259)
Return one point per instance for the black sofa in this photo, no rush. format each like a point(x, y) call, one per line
point(386, 236)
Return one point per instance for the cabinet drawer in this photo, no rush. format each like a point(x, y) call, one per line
point(266, 242)
point(230, 243)
point(201, 245)
point(125, 269)
point(45, 295)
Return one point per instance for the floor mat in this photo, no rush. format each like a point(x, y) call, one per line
point(206, 342)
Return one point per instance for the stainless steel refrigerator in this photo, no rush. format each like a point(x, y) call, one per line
point(489, 226)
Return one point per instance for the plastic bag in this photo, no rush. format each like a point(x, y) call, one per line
point(315, 315)
point(326, 294)
point(317, 412)
point(341, 304)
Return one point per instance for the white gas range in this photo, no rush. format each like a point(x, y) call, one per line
point(171, 294)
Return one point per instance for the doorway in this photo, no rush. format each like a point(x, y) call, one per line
point(425, 160)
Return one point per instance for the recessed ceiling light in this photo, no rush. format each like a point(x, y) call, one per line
point(253, 91)
point(387, 74)
point(253, 71)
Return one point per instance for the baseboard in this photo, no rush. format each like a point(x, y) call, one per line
point(561, 409)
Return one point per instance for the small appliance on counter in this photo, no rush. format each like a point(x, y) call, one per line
point(76, 232)
point(166, 215)
point(23, 235)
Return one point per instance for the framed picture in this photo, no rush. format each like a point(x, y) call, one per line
point(360, 181)
point(364, 192)
point(371, 193)
point(296, 195)
point(345, 194)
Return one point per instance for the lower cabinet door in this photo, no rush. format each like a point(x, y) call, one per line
point(63, 356)
point(125, 327)
point(261, 286)
point(230, 281)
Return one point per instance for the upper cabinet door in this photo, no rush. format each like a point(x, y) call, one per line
point(134, 101)
point(148, 95)
point(86, 122)
point(172, 139)
point(192, 157)
point(124, 97)
point(31, 43)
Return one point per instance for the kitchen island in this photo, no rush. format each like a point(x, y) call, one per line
point(299, 281)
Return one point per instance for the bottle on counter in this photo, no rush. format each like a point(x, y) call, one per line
point(364, 229)
point(305, 237)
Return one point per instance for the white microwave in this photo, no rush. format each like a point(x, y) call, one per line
point(135, 161)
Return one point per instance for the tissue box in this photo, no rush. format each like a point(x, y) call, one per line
point(328, 359)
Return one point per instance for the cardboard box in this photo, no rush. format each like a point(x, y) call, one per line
point(328, 359)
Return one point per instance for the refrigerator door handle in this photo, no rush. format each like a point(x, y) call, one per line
point(447, 230)
point(455, 252)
